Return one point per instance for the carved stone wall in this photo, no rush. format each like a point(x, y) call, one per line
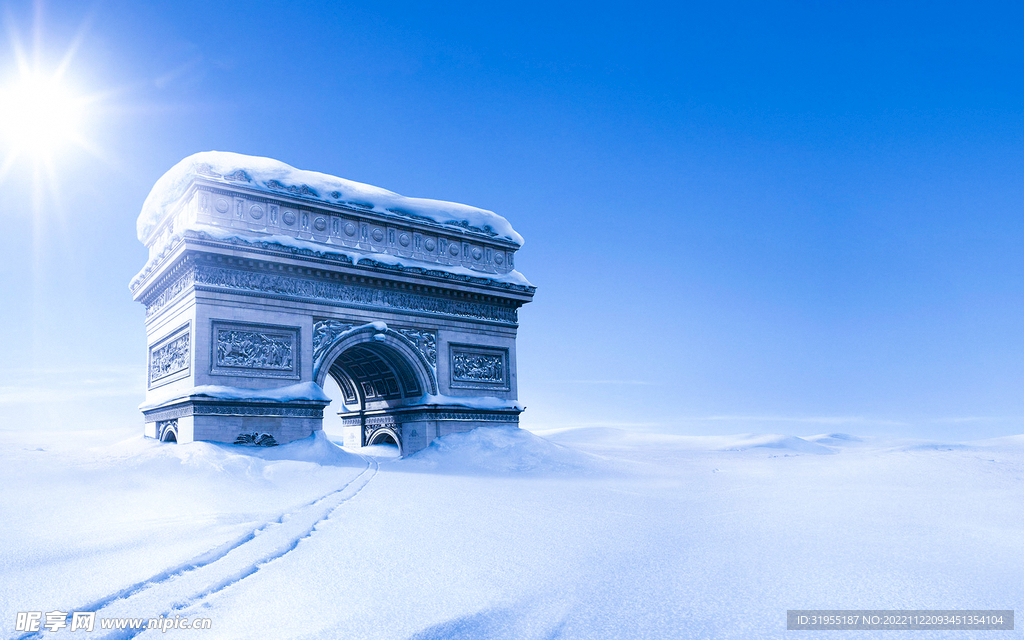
point(426, 342)
point(325, 332)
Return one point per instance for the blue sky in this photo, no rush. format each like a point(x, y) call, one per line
point(790, 218)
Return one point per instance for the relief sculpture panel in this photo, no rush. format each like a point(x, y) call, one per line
point(170, 358)
point(255, 350)
point(479, 367)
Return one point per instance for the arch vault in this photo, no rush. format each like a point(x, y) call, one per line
point(264, 280)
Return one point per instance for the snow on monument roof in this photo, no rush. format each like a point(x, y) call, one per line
point(273, 176)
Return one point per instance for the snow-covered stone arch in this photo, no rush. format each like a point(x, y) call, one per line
point(263, 280)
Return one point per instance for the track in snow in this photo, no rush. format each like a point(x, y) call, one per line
point(217, 569)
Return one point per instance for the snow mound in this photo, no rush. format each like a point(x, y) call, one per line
point(606, 436)
point(834, 439)
point(590, 435)
point(273, 176)
point(501, 451)
point(776, 441)
point(317, 449)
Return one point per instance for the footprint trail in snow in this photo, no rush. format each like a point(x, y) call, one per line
point(213, 571)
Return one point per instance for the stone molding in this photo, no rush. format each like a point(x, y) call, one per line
point(307, 289)
point(206, 407)
point(270, 246)
point(428, 415)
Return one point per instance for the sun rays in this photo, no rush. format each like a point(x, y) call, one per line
point(44, 117)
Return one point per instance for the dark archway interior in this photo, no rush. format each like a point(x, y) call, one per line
point(384, 438)
point(170, 437)
point(374, 374)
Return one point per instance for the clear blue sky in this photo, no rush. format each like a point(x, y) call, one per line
point(770, 217)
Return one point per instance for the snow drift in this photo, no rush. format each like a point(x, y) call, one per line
point(501, 450)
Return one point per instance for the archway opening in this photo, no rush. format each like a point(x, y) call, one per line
point(170, 436)
point(382, 377)
point(374, 376)
point(384, 439)
point(382, 444)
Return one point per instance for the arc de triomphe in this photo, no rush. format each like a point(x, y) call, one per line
point(263, 280)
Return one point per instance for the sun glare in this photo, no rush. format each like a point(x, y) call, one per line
point(39, 116)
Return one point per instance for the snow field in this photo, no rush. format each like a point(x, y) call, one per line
point(499, 533)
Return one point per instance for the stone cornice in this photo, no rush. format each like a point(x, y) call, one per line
point(204, 406)
point(325, 257)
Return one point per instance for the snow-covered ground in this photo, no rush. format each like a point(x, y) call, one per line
point(585, 533)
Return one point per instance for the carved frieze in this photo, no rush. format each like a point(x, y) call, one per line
point(475, 367)
point(170, 359)
point(302, 190)
point(255, 350)
point(278, 285)
point(171, 291)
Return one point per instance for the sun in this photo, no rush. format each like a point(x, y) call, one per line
point(44, 117)
point(39, 115)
